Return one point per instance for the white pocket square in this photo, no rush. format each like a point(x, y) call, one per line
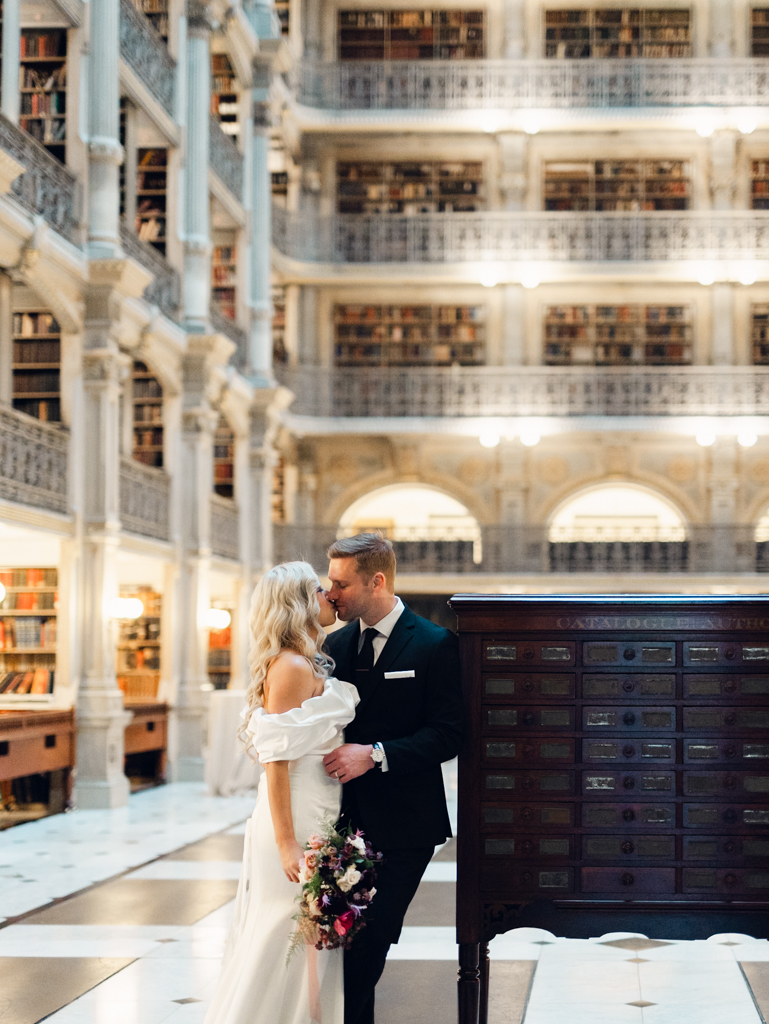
point(406, 674)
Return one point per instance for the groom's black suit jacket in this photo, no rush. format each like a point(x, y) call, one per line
point(419, 722)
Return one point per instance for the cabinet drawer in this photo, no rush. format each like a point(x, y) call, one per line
point(629, 719)
point(528, 686)
point(734, 849)
point(726, 880)
point(526, 847)
point(618, 653)
point(641, 685)
point(597, 784)
point(524, 718)
point(628, 847)
point(704, 815)
point(629, 751)
point(547, 750)
point(27, 755)
point(706, 652)
point(706, 686)
point(528, 652)
point(726, 720)
point(523, 785)
point(527, 815)
point(747, 785)
point(631, 816)
point(648, 881)
point(712, 749)
point(497, 874)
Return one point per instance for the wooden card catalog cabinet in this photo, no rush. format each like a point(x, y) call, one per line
point(616, 772)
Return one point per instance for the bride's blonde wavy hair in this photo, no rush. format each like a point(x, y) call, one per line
point(284, 616)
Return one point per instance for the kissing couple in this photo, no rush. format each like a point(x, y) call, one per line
point(351, 728)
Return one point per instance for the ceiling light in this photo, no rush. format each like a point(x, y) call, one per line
point(217, 618)
point(706, 277)
point(489, 440)
point(530, 279)
point(705, 129)
point(746, 124)
point(125, 608)
point(747, 439)
point(529, 438)
point(747, 276)
point(489, 278)
point(705, 439)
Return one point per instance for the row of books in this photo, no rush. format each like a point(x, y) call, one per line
point(48, 411)
point(31, 324)
point(43, 44)
point(147, 387)
point(35, 381)
point(45, 79)
point(29, 601)
point(29, 577)
point(27, 633)
point(36, 351)
point(43, 103)
point(39, 680)
point(45, 131)
point(136, 660)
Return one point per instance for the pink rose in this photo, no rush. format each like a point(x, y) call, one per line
point(315, 842)
point(343, 923)
point(311, 859)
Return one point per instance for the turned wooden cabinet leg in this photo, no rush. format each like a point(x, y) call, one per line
point(468, 984)
point(484, 967)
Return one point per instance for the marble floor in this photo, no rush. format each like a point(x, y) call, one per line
point(133, 933)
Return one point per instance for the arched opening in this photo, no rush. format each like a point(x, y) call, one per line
point(617, 528)
point(429, 528)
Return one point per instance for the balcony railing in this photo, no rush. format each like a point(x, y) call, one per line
point(225, 535)
point(521, 237)
point(225, 159)
point(223, 325)
point(144, 499)
point(475, 391)
point(33, 461)
point(46, 186)
point(143, 49)
point(532, 84)
point(163, 291)
point(509, 549)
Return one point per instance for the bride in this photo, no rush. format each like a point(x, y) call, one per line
point(295, 714)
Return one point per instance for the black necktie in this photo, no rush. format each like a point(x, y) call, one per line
point(365, 661)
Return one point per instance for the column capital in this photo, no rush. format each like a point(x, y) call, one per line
point(200, 18)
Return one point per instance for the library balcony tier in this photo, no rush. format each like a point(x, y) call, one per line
point(530, 84)
point(509, 391)
point(225, 527)
point(512, 236)
point(33, 461)
point(226, 326)
point(225, 158)
point(46, 187)
point(145, 52)
point(144, 499)
point(507, 548)
point(164, 290)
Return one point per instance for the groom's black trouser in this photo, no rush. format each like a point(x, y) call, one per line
point(398, 878)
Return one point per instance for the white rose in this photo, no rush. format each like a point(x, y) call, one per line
point(358, 842)
point(305, 873)
point(372, 893)
point(315, 909)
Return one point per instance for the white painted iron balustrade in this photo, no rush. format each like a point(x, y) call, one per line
point(531, 84)
point(144, 499)
point(33, 461)
point(505, 236)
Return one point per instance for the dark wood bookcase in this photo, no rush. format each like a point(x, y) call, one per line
point(43, 87)
point(632, 334)
point(37, 365)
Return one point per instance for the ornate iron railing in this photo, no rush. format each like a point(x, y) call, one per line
point(529, 549)
point(46, 186)
point(163, 291)
point(528, 391)
point(144, 499)
point(225, 159)
point(504, 236)
point(223, 325)
point(144, 50)
point(33, 461)
point(532, 84)
point(225, 528)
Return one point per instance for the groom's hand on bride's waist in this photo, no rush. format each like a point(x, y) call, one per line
point(348, 761)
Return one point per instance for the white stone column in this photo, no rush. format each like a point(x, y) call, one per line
point(104, 150)
point(197, 234)
point(101, 718)
point(11, 53)
point(723, 486)
point(514, 29)
point(514, 325)
point(722, 324)
point(512, 180)
point(720, 42)
point(260, 347)
point(723, 176)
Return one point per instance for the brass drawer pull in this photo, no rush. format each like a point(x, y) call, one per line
point(627, 878)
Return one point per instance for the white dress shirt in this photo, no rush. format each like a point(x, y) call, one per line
point(385, 627)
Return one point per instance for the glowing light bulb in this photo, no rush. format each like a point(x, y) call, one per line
point(705, 439)
point(530, 438)
point(747, 439)
point(489, 278)
point(489, 440)
point(217, 618)
point(705, 129)
point(125, 608)
point(530, 279)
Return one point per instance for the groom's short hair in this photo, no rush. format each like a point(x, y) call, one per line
point(372, 552)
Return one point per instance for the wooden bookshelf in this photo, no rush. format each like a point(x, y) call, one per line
point(37, 365)
point(157, 14)
point(617, 185)
point(759, 32)
point(225, 101)
point(224, 279)
point(279, 186)
point(138, 649)
point(618, 335)
point(409, 335)
point(759, 333)
point(38, 755)
point(410, 187)
point(151, 197)
point(618, 32)
point(28, 617)
point(147, 395)
point(219, 654)
point(279, 351)
point(283, 11)
point(759, 184)
point(278, 499)
point(224, 459)
point(43, 88)
point(411, 35)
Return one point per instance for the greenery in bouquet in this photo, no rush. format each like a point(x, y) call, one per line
point(337, 875)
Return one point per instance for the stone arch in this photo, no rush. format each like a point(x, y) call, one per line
point(616, 510)
point(411, 511)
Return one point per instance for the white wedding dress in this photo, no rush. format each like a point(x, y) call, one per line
point(256, 986)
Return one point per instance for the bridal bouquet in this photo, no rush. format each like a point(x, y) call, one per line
point(337, 876)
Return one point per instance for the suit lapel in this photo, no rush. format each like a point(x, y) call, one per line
point(349, 644)
point(401, 635)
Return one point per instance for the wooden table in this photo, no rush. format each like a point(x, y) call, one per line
point(616, 774)
point(148, 732)
point(33, 742)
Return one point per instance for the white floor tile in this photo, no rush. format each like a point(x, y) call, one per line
point(187, 870)
point(425, 944)
point(440, 871)
point(596, 1013)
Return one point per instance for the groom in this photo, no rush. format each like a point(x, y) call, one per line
point(408, 721)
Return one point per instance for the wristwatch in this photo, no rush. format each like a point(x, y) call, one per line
point(377, 755)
